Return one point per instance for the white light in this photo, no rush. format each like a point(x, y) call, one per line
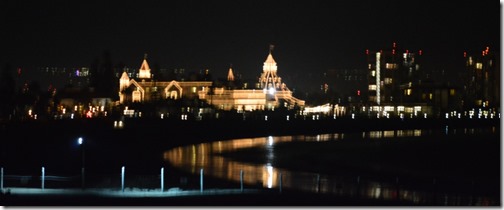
point(378, 55)
point(162, 116)
point(353, 116)
point(287, 117)
point(425, 115)
point(266, 118)
point(271, 90)
point(72, 116)
point(446, 116)
point(79, 140)
point(270, 140)
point(270, 176)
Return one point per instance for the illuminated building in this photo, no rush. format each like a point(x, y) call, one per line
point(388, 70)
point(145, 89)
point(270, 91)
point(482, 81)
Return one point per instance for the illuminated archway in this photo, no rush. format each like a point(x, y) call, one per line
point(173, 90)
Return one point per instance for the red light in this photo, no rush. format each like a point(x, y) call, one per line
point(89, 114)
point(19, 71)
point(393, 45)
point(407, 51)
point(358, 92)
point(367, 52)
point(420, 52)
point(465, 54)
point(393, 51)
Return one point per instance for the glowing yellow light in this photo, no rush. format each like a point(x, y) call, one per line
point(408, 91)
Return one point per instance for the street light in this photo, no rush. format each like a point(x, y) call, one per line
point(80, 141)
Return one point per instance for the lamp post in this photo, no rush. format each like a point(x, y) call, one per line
point(80, 141)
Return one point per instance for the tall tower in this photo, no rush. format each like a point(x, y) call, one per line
point(230, 76)
point(482, 84)
point(389, 70)
point(269, 80)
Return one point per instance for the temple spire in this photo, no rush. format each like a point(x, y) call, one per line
point(230, 76)
point(145, 69)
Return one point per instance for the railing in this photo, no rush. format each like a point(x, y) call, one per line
point(426, 191)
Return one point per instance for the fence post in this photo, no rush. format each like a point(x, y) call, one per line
point(318, 183)
point(122, 179)
point(83, 178)
point(43, 177)
point(201, 180)
point(280, 185)
point(162, 179)
point(241, 180)
point(1, 179)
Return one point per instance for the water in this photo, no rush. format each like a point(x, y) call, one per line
point(205, 156)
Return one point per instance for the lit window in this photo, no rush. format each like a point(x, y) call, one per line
point(479, 66)
point(407, 92)
point(452, 92)
point(193, 89)
point(372, 87)
point(390, 66)
point(373, 73)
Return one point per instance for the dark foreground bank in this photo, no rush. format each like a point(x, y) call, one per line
point(195, 198)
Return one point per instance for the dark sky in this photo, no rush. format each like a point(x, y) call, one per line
point(309, 36)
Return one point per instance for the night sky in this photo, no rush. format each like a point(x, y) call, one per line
point(309, 36)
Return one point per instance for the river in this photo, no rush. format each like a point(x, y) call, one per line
point(206, 156)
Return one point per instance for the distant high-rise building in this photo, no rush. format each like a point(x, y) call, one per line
point(388, 71)
point(482, 81)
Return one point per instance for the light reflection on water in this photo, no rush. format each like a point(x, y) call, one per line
point(205, 156)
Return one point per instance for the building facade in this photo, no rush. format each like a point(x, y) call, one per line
point(144, 89)
point(271, 92)
point(388, 71)
point(482, 87)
